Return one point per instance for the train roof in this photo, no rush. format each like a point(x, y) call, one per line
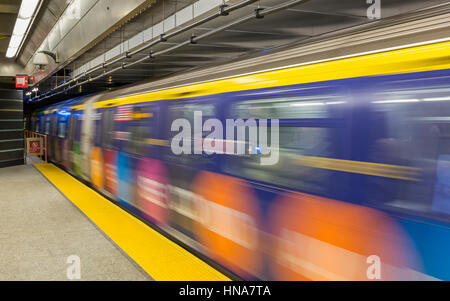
point(222, 79)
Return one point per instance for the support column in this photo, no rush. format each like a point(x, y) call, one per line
point(11, 127)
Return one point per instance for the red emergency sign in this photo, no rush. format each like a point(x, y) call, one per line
point(21, 81)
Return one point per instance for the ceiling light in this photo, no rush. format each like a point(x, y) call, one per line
point(11, 52)
point(21, 26)
point(26, 12)
point(15, 41)
point(27, 8)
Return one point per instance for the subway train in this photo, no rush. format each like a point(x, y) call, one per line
point(357, 186)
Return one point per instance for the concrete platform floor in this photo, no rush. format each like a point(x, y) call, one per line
point(40, 229)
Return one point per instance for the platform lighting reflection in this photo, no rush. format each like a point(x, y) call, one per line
point(396, 100)
point(63, 113)
point(23, 21)
point(335, 102)
point(307, 104)
point(437, 99)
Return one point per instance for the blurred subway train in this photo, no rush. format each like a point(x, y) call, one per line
point(360, 189)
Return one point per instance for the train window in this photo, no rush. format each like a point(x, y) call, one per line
point(186, 111)
point(137, 141)
point(140, 128)
point(108, 127)
point(77, 127)
point(410, 127)
point(301, 141)
point(62, 128)
point(53, 124)
point(35, 124)
point(71, 130)
point(299, 107)
point(98, 138)
point(47, 125)
point(295, 144)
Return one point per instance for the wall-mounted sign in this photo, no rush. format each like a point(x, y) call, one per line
point(21, 81)
point(34, 146)
point(38, 76)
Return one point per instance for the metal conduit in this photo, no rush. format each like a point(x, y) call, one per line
point(259, 13)
point(223, 11)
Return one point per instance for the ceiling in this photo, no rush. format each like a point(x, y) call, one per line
point(8, 14)
point(43, 23)
point(47, 16)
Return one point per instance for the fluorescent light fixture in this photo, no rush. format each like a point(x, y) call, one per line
point(26, 12)
point(15, 41)
point(437, 99)
point(21, 26)
point(27, 8)
point(11, 52)
point(396, 100)
point(307, 104)
point(35, 89)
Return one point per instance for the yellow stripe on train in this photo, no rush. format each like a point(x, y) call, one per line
point(159, 142)
point(407, 60)
point(366, 168)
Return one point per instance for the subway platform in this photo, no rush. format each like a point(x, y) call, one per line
point(47, 218)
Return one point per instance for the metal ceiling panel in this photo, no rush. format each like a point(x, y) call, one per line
point(49, 14)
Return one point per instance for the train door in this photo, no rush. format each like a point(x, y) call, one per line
point(151, 177)
point(184, 168)
point(96, 155)
point(135, 128)
point(303, 127)
point(52, 136)
point(61, 137)
point(46, 128)
point(76, 149)
point(70, 139)
point(87, 136)
point(109, 153)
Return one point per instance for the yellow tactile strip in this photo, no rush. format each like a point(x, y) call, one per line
point(160, 257)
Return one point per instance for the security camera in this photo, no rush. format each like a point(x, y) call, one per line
point(40, 59)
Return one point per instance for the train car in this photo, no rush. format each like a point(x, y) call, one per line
point(359, 188)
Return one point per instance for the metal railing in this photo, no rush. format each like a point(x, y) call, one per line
point(30, 134)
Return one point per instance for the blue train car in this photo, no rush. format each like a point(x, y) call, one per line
point(358, 187)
